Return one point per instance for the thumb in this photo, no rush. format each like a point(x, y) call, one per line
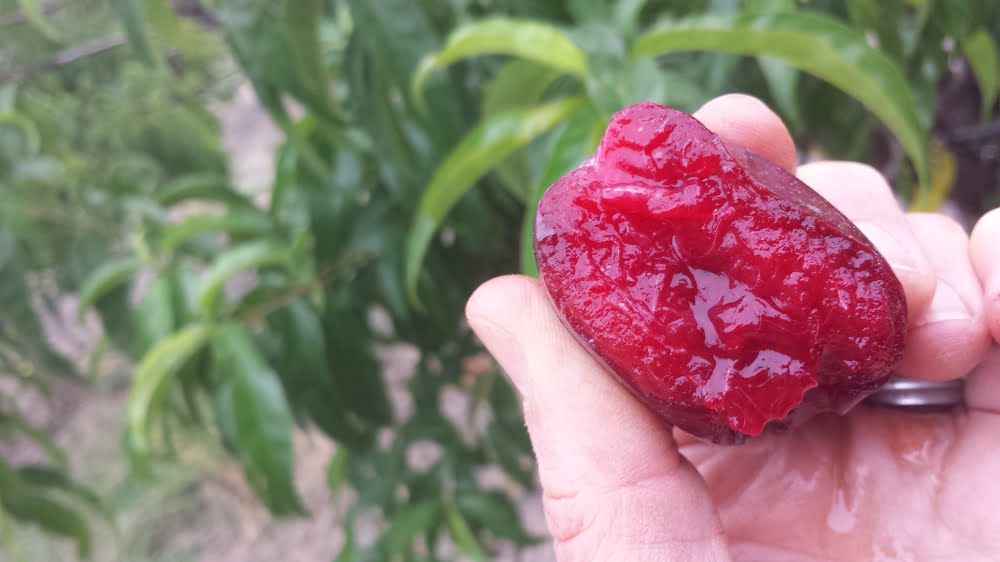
point(615, 486)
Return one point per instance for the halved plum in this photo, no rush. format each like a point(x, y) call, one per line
point(724, 292)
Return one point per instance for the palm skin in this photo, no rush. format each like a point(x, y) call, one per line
point(878, 484)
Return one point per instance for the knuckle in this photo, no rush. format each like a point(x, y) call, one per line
point(570, 518)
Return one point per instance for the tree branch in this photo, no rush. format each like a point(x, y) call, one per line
point(20, 17)
point(65, 57)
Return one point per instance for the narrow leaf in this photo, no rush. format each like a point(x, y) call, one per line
point(981, 50)
point(488, 144)
point(285, 168)
point(336, 471)
point(518, 83)
point(51, 515)
point(353, 365)
point(527, 39)
point(13, 420)
point(29, 132)
point(130, 13)
point(463, 536)
point(348, 552)
point(407, 525)
point(305, 371)
point(508, 454)
point(202, 186)
point(813, 43)
point(783, 82)
point(154, 314)
point(161, 17)
point(235, 260)
point(494, 511)
point(304, 18)
point(263, 422)
point(47, 477)
point(33, 12)
point(105, 278)
point(152, 380)
point(397, 35)
point(241, 223)
point(944, 172)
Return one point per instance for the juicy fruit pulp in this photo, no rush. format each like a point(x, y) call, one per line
point(725, 293)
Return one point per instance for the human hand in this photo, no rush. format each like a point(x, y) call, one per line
point(877, 484)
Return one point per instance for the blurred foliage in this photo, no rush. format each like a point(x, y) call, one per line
point(418, 137)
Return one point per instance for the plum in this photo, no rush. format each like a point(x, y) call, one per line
point(724, 292)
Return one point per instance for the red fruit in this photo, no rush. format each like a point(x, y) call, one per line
point(725, 293)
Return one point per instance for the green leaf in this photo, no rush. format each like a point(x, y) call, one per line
point(783, 82)
point(527, 39)
point(574, 144)
point(225, 417)
point(201, 186)
point(626, 15)
point(405, 526)
point(163, 21)
point(885, 18)
point(397, 35)
point(981, 50)
point(518, 83)
point(15, 421)
point(488, 144)
point(19, 321)
point(463, 536)
point(349, 552)
point(305, 371)
point(114, 308)
point(154, 314)
point(285, 165)
point(508, 452)
point(29, 132)
point(238, 222)
point(944, 172)
point(105, 278)
point(235, 260)
point(152, 381)
point(815, 44)
point(304, 19)
point(33, 12)
point(589, 11)
point(263, 422)
point(47, 477)
point(336, 471)
point(494, 511)
point(130, 13)
point(53, 516)
point(356, 371)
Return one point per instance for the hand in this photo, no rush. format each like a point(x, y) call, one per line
point(876, 484)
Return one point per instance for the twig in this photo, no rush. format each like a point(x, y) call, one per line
point(257, 314)
point(20, 17)
point(67, 56)
point(196, 10)
point(973, 133)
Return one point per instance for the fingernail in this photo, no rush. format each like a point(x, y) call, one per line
point(504, 347)
point(946, 305)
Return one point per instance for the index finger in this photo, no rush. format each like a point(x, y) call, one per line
point(747, 121)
